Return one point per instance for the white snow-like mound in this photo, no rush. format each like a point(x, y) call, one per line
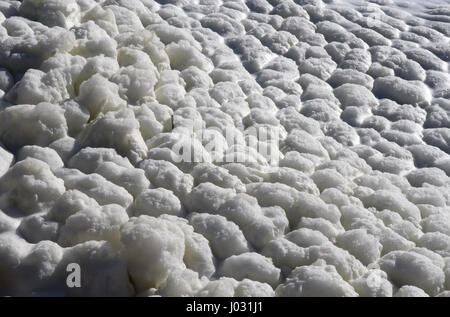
point(225, 148)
